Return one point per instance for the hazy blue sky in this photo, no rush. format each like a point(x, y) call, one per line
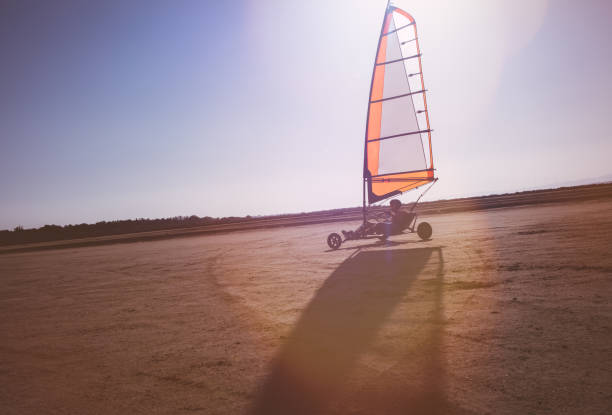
point(123, 109)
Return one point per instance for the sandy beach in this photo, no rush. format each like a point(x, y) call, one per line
point(503, 311)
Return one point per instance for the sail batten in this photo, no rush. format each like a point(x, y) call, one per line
point(398, 133)
point(399, 60)
point(397, 96)
point(399, 28)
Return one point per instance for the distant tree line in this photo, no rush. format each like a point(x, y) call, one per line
point(48, 233)
point(19, 235)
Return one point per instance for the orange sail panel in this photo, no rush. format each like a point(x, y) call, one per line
point(398, 155)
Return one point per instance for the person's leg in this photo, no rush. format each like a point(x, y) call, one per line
point(357, 232)
point(348, 234)
point(370, 227)
point(395, 229)
point(383, 228)
point(377, 228)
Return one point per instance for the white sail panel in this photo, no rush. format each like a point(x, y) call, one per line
point(396, 157)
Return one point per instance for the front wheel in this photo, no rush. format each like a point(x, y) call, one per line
point(424, 230)
point(334, 240)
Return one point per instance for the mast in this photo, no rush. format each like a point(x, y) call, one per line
point(365, 146)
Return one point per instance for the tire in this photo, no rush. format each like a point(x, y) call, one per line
point(424, 230)
point(334, 240)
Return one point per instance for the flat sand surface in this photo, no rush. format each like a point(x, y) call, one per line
point(504, 311)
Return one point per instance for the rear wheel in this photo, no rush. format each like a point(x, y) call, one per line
point(334, 240)
point(424, 230)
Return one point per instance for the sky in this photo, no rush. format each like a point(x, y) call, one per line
point(128, 109)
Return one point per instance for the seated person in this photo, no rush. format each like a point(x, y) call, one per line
point(400, 220)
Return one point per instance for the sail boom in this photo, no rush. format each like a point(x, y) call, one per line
point(401, 172)
point(410, 180)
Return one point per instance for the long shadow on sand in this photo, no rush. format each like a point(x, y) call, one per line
point(311, 373)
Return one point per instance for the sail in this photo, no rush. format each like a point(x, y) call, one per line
point(398, 154)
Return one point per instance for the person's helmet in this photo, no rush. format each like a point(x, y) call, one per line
point(395, 203)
